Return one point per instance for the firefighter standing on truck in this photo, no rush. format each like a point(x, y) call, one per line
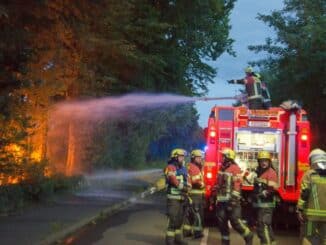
point(253, 89)
point(227, 194)
point(267, 103)
point(265, 185)
point(177, 185)
point(193, 220)
point(311, 206)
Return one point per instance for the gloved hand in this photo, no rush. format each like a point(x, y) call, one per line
point(180, 186)
point(152, 190)
point(202, 185)
point(300, 215)
point(230, 81)
point(265, 193)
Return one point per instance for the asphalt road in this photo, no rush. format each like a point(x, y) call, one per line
point(145, 223)
point(47, 222)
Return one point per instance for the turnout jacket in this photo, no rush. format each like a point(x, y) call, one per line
point(228, 184)
point(196, 179)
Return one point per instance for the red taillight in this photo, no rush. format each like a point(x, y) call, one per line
point(209, 175)
point(212, 133)
point(304, 137)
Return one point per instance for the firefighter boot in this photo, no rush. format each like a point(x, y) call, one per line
point(169, 237)
point(225, 241)
point(178, 238)
point(187, 231)
point(169, 240)
point(249, 238)
point(198, 234)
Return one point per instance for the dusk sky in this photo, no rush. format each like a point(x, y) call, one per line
point(246, 30)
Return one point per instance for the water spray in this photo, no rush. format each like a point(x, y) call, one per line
point(99, 108)
point(73, 121)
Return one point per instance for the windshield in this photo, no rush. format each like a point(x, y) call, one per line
point(247, 140)
point(248, 143)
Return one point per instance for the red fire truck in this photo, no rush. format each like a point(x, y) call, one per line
point(284, 133)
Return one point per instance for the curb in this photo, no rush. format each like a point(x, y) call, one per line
point(57, 237)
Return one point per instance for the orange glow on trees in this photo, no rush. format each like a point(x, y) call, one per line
point(15, 151)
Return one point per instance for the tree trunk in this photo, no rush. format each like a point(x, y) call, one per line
point(70, 163)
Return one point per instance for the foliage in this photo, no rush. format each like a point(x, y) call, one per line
point(182, 131)
point(11, 198)
point(157, 45)
point(297, 58)
point(145, 137)
point(15, 196)
point(54, 51)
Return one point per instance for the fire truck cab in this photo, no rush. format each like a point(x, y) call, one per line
point(284, 133)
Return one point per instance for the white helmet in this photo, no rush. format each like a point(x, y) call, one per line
point(317, 159)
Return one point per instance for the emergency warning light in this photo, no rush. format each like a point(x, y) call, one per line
point(212, 133)
point(304, 137)
point(209, 175)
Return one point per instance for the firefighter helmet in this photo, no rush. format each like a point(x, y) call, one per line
point(196, 153)
point(177, 152)
point(317, 159)
point(264, 155)
point(249, 69)
point(228, 153)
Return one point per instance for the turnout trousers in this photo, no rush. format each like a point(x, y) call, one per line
point(313, 232)
point(194, 216)
point(226, 212)
point(175, 213)
point(264, 226)
point(255, 104)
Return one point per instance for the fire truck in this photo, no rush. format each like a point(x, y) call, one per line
point(285, 133)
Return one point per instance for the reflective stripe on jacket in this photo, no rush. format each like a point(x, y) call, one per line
point(312, 195)
point(253, 87)
point(267, 182)
point(228, 183)
point(174, 177)
point(196, 179)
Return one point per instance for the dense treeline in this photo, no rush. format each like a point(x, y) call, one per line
point(65, 50)
point(296, 66)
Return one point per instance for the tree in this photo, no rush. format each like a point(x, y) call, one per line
point(60, 50)
point(297, 58)
point(156, 45)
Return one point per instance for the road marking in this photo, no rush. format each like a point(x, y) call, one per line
point(205, 238)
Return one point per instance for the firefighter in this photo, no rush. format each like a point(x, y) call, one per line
point(227, 194)
point(253, 88)
point(177, 185)
point(267, 103)
point(265, 186)
point(311, 207)
point(194, 218)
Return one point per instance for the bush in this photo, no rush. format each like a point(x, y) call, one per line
point(39, 190)
point(15, 196)
point(11, 198)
